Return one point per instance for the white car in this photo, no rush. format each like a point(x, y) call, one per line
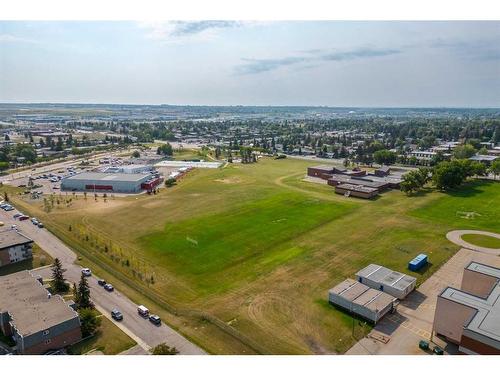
point(86, 272)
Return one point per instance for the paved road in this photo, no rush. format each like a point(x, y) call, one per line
point(141, 330)
point(455, 236)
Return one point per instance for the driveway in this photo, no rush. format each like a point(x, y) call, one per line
point(399, 333)
point(141, 330)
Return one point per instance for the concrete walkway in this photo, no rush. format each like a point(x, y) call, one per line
point(455, 236)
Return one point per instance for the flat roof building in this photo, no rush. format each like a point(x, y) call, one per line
point(361, 300)
point(470, 316)
point(359, 191)
point(395, 283)
point(14, 247)
point(100, 182)
point(36, 320)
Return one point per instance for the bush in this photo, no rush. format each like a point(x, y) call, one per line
point(164, 349)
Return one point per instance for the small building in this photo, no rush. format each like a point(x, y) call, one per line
point(36, 320)
point(470, 316)
point(395, 283)
point(100, 182)
point(361, 300)
point(321, 171)
point(358, 191)
point(14, 247)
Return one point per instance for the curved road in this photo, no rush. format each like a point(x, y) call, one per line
point(455, 236)
point(141, 330)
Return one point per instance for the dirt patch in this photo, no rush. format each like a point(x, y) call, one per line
point(229, 180)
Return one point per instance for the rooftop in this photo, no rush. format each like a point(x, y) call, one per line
point(11, 238)
point(360, 188)
point(385, 276)
point(486, 321)
point(101, 176)
point(354, 291)
point(29, 306)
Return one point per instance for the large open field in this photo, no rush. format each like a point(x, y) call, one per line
point(240, 259)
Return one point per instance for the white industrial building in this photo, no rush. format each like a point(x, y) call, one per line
point(395, 283)
point(100, 182)
point(361, 300)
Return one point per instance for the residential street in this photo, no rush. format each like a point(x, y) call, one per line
point(145, 333)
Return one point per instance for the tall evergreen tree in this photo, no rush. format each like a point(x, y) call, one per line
point(58, 280)
point(84, 294)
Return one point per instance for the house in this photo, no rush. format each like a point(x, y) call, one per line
point(14, 247)
point(470, 316)
point(36, 320)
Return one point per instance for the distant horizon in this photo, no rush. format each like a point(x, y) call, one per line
point(247, 105)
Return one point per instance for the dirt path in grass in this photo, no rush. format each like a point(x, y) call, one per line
point(455, 236)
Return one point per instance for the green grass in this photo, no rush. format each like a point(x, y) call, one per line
point(473, 206)
point(109, 339)
point(218, 251)
point(480, 240)
point(255, 249)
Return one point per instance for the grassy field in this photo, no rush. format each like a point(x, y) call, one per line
point(240, 259)
point(109, 339)
point(480, 240)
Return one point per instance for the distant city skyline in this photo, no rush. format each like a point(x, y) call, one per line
point(309, 63)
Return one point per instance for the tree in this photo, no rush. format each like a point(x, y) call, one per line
point(495, 168)
point(84, 294)
point(76, 294)
point(414, 180)
point(90, 321)
point(163, 349)
point(165, 149)
point(136, 154)
point(384, 157)
point(58, 281)
point(169, 182)
point(5, 196)
point(464, 152)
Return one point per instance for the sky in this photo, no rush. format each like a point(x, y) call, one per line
point(317, 63)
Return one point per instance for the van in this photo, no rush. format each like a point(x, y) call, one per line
point(142, 310)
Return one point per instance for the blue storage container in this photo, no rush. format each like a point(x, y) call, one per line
point(418, 262)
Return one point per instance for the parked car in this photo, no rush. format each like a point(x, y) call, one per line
point(23, 217)
point(17, 215)
point(101, 282)
point(437, 350)
point(116, 315)
point(34, 221)
point(142, 310)
point(155, 319)
point(86, 272)
point(109, 287)
point(9, 208)
point(13, 226)
point(40, 225)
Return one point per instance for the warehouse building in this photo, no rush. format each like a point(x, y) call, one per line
point(361, 300)
point(36, 320)
point(395, 283)
point(14, 247)
point(470, 316)
point(100, 182)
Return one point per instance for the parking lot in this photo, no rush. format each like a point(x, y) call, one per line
point(400, 332)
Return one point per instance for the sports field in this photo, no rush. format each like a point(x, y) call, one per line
point(241, 258)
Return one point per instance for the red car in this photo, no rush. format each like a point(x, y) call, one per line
point(24, 217)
